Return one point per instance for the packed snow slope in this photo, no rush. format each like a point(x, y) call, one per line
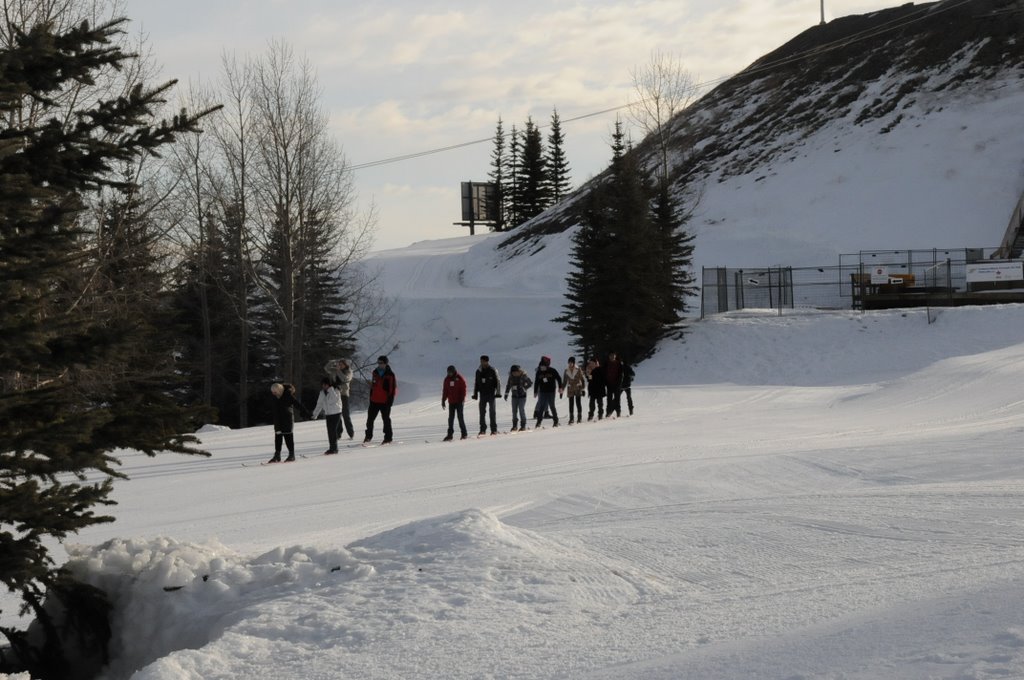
point(816, 495)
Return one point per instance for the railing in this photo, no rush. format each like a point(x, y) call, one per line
point(1013, 233)
point(932, 275)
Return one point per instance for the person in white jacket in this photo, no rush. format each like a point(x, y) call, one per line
point(340, 373)
point(328, 402)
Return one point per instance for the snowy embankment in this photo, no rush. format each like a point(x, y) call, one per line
point(813, 495)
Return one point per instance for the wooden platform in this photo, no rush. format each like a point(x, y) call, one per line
point(913, 297)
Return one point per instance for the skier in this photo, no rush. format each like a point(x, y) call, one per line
point(613, 381)
point(284, 419)
point(575, 387)
point(517, 384)
point(627, 384)
point(383, 388)
point(487, 387)
point(544, 383)
point(595, 388)
point(328, 402)
point(340, 373)
point(454, 392)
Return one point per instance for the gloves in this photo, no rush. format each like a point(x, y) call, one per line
point(442, 404)
point(474, 397)
point(506, 396)
point(583, 393)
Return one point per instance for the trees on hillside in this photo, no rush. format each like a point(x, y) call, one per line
point(533, 177)
point(530, 193)
point(556, 162)
point(499, 166)
point(630, 273)
point(86, 370)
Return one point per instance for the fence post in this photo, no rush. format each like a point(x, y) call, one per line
point(949, 281)
point(722, 276)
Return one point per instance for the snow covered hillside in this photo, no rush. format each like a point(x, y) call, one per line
point(894, 130)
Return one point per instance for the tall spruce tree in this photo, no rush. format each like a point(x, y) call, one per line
point(675, 256)
point(69, 394)
point(624, 288)
point(212, 269)
point(510, 192)
point(499, 163)
point(558, 182)
point(532, 181)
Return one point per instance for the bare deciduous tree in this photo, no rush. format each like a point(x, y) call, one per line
point(269, 183)
point(662, 88)
point(302, 190)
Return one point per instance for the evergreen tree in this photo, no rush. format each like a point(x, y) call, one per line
point(325, 327)
point(499, 164)
point(675, 252)
point(630, 261)
point(72, 387)
point(510, 192)
point(214, 267)
point(532, 183)
point(558, 184)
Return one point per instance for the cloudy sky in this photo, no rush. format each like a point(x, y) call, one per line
point(408, 76)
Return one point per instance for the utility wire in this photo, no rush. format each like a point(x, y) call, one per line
point(815, 51)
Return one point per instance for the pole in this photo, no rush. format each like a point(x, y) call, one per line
point(822, 12)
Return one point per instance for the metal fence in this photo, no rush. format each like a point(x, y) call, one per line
point(834, 286)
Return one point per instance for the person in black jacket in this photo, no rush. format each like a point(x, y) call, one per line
point(544, 384)
point(595, 387)
point(613, 383)
point(627, 384)
point(517, 385)
point(284, 420)
point(486, 388)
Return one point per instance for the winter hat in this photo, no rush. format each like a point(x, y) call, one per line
point(484, 357)
point(545, 361)
point(515, 367)
point(382, 359)
point(451, 369)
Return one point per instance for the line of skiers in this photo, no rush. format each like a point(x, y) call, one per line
point(332, 401)
point(604, 382)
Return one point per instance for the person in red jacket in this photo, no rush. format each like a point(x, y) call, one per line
point(454, 393)
point(383, 388)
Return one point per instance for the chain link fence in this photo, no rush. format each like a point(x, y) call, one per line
point(865, 278)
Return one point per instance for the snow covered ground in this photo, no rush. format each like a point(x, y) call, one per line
point(816, 495)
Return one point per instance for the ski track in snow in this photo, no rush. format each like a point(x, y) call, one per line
point(725, 530)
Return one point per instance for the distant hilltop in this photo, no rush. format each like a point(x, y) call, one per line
point(844, 85)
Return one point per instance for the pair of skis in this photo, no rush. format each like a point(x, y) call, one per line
point(363, 445)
